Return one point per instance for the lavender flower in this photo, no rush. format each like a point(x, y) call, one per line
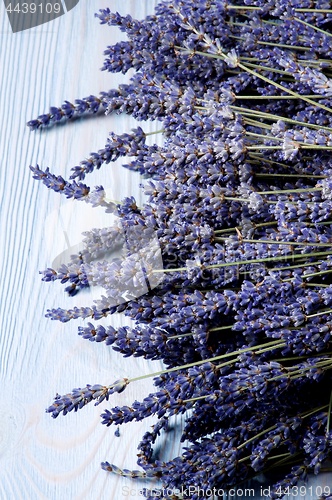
point(68, 111)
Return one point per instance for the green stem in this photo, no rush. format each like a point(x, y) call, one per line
point(314, 146)
point(218, 328)
point(257, 124)
point(161, 131)
point(229, 229)
point(297, 358)
point(255, 226)
point(318, 285)
point(246, 68)
point(290, 47)
point(300, 374)
point(314, 11)
point(285, 268)
point(263, 147)
point(263, 136)
point(317, 274)
point(327, 311)
point(270, 44)
point(323, 223)
point(269, 97)
point(284, 461)
point(295, 372)
point(265, 431)
point(242, 7)
point(301, 145)
point(267, 68)
point(207, 360)
point(281, 87)
point(264, 160)
point(312, 412)
point(191, 333)
point(329, 415)
point(251, 7)
point(281, 455)
point(272, 202)
point(256, 436)
point(180, 336)
point(249, 58)
point(249, 261)
point(283, 191)
point(233, 198)
point(278, 345)
point(317, 62)
point(301, 176)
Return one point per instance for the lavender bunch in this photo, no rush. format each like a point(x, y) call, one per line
point(226, 268)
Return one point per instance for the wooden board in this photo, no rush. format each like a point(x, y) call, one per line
point(42, 458)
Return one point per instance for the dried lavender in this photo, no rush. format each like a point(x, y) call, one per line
point(226, 269)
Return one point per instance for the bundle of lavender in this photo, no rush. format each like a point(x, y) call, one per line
point(240, 209)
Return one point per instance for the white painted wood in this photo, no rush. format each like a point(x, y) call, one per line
point(42, 458)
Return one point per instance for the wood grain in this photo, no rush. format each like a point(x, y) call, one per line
point(42, 458)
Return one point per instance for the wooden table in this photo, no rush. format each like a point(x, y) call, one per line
point(42, 458)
